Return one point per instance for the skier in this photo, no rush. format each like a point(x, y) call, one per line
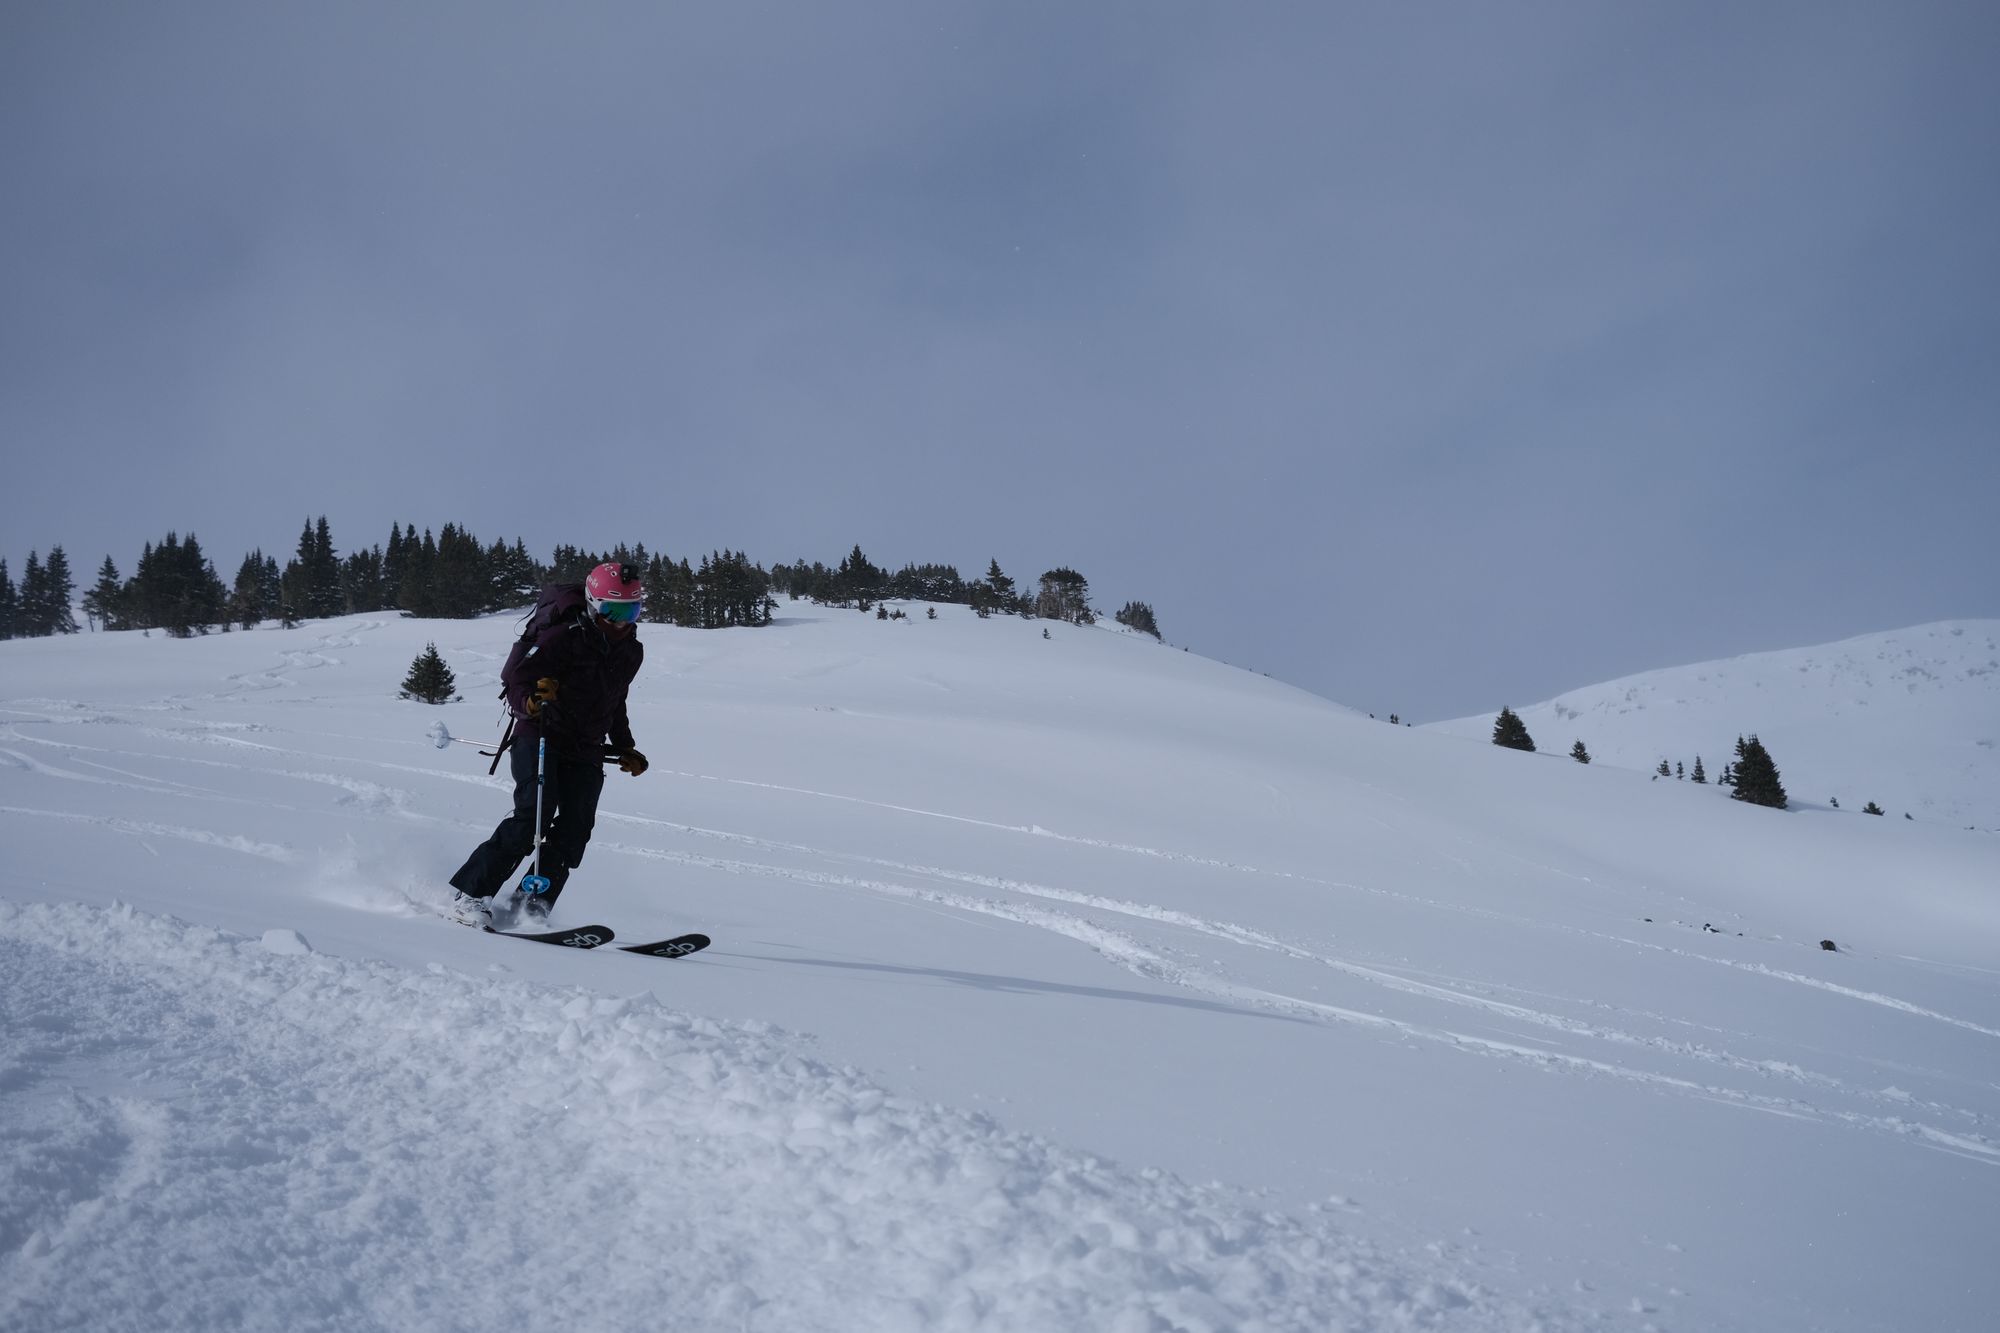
point(569, 688)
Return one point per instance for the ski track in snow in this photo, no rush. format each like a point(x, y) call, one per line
point(269, 851)
point(258, 1125)
point(1130, 954)
point(1115, 946)
point(1245, 935)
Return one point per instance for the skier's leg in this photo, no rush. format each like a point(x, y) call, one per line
point(576, 816)
point(493, 862)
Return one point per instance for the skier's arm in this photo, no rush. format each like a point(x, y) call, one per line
point(621, 722)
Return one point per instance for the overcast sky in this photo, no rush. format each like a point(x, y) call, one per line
point(1428, 356)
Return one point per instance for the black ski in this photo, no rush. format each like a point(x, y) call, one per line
point(680, 946)
point(577, 937)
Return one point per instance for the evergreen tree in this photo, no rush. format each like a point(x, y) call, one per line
point(513, 574)
point(394, 557)
point(1000, 586)
point(1699, 775)
point(1511, 732)
point(569, 565)
point(60, 593)
point(31, 615)
point(298, 576)
point(1576, 752)
point(1663, 771)
point(460, 584)
point(1680, 770)
point(415, 594)
point(175, 589)
point(1873, 809)
point(312, 580)
point(246, 592)
point(670, 596)
point(325, 596)
point(927, 583)
point(528, 574)
point(10, 605)
point(100, 604)
point(271, 588)
point(362, 578)
point(208, 599)
point(857, 580)
point(430, 680)
point(1757, 775)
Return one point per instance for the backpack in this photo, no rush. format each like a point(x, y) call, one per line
point(560, 603)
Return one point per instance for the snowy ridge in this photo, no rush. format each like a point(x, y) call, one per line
point(1909, 719)
point(268, 1117)
point(1014, 938)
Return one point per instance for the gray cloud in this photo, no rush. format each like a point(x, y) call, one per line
point(1428, 357)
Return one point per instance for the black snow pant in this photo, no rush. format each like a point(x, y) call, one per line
point(569, 812)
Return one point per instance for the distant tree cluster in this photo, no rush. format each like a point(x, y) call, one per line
point(1060, 594)
point(40, 606)
point(453, 575)
point(1753, 777)
point(1139, 616)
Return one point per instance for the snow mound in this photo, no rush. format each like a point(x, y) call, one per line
point(255, 1146)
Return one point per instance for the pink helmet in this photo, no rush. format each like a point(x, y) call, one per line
point(614, 592)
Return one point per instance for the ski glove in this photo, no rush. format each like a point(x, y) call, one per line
point(544, 695)
point(632, 761)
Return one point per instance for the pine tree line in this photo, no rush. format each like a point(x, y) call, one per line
point(451, 574)
point(1060, 593)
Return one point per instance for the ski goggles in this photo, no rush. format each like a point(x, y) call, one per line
point(619, 613)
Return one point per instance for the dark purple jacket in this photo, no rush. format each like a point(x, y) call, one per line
point(595, 672)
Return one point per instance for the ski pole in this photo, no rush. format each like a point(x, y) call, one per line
point(442, 738)
point(536, 881)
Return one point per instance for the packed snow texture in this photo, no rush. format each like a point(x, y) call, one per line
point(1908, 719)
point(315, 1143)
point(1075, 983)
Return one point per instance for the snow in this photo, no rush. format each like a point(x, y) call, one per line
point(1908, 719)
point(1077, 983)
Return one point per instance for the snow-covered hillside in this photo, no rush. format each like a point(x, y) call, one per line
point(1065, 983)
point(1909, 719)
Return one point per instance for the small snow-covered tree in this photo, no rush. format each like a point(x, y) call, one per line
point(1576, 752)
point(1511, 733)
point(430, 680)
